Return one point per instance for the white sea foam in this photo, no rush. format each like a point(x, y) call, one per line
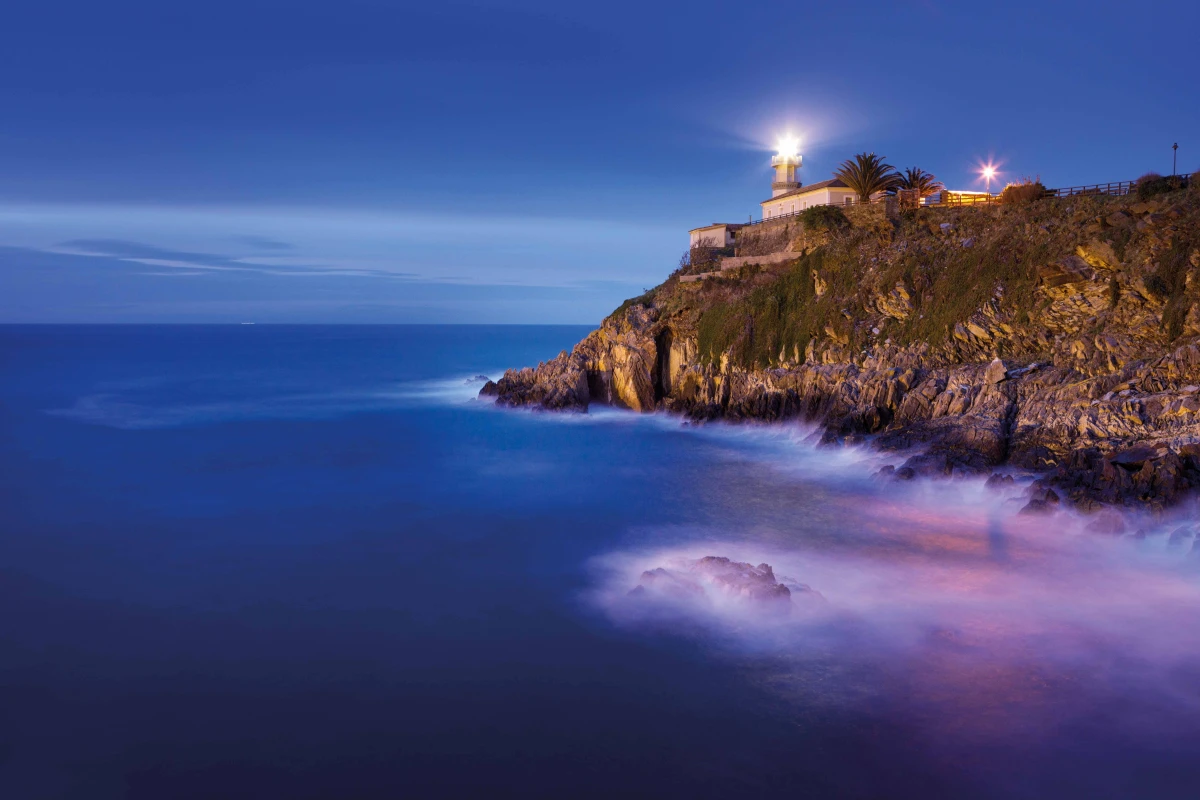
point(943, 584)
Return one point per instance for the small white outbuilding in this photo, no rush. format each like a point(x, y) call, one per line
point(719, 234)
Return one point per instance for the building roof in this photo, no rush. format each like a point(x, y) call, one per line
point(730, 225)
point(832, 183)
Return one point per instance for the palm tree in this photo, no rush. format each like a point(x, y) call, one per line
point(920, 181)
point(867, 174)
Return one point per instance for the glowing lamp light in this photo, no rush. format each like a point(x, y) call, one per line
point(987, 172)
point(788, 147)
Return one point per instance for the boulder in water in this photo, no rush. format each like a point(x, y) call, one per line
point(717, 576)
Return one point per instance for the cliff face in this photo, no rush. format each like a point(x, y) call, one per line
point(1061, 336)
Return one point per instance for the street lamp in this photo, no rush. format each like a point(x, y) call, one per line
point(989, 172)
point(1174, 157)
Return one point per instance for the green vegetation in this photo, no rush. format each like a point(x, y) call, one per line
point(946, 281)
point(824, 218)
point(1152, 183)
point(640, 300)
point(915, 179)
point(868, 174)
point(959, 281)
point(948, 278)
point(704, 258)
point(779, 315)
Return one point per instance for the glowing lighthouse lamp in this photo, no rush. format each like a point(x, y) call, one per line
point(786, 162)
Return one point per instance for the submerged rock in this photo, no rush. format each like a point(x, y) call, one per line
point(998, 481)
point(717, 576)
point(740, 579)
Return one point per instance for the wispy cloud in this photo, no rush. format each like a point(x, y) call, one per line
point(480, 249)
point(152, 256)
point(90, 262)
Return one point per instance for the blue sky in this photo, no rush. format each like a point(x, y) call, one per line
point(371, 161)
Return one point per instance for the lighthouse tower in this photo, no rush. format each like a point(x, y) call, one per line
point(786, 162)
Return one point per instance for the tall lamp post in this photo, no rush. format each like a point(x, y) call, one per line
point(1174, 157)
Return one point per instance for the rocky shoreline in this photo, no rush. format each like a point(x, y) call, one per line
point(1082, 382)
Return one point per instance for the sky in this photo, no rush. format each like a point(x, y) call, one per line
point(364, 161)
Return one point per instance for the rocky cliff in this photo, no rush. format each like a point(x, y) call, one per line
point(1061, 336)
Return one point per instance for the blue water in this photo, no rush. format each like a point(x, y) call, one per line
point(259, 561)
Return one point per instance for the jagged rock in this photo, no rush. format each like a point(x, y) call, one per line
point(1041, 501)
point(1108, 523)
point(735, 579)
point(819, 285)
point(1090, 393)
point(1180, 538)
point(897, 303)
point(1098, 255)
point(1071, 269)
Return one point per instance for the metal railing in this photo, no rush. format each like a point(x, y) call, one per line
point(1117, 189)
point(956, 199)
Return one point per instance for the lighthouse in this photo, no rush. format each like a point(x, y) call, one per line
point(786, 162)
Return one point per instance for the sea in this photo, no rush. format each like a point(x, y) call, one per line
point(307, 562)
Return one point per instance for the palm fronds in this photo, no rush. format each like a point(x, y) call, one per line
point(868, 174)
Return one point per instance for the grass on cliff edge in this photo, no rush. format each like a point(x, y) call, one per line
point(947, 282)
point(987, 257)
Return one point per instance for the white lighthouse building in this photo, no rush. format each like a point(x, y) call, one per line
point(788, 196)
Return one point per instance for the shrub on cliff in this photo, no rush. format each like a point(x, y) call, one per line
point(778, 316)
point(704, 258)
point(1152, 183)
point(824, 218)
point(1028, 190)
point(641, 300)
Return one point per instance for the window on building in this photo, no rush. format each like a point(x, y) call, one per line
point(849, 201)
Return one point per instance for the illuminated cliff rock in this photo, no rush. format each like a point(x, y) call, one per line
point(1065, 336)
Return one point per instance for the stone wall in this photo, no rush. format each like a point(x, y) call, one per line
point(773, 258)
point(765, 238)
point(787, 234)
